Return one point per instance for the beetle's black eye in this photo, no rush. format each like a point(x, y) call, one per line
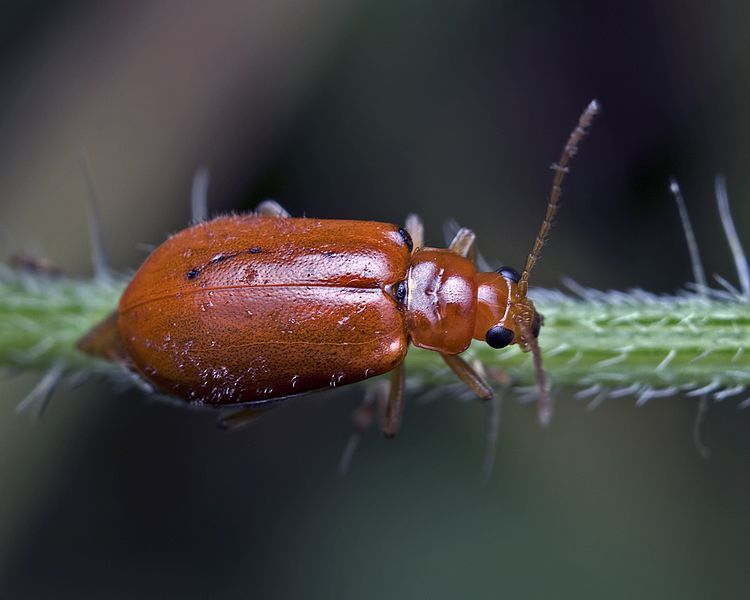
point(510, 274)
point(498, 336)
point(401, 291)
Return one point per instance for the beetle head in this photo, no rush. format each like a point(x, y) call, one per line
point(505, 315)
point(504, 312)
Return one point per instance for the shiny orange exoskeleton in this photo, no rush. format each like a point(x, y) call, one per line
point(246, 310)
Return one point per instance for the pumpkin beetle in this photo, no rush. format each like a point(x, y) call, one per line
point(247, 310)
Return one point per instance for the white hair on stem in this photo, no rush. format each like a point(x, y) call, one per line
point(98, 248)
point(699, 274)
point(740, 259)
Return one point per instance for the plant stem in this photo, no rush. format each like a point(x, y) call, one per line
point(615, 342)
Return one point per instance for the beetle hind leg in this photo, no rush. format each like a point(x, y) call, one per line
point(394, 409)
point(271, 208)
point(372, 408)
point(384, 400)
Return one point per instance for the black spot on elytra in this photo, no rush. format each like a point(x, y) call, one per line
point(219, 258)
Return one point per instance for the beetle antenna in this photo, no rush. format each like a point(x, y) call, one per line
point(544, 404)
point(560, 168)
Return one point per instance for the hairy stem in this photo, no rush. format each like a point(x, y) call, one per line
point(600, 342)
point(42, 317)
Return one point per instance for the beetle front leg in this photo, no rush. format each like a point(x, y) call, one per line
point(468, 375)
point(271, 208)
point(394, 410)
point(463, 244)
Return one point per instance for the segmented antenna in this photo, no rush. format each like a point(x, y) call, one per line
point(560, 168)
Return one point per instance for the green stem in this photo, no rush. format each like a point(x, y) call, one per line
point(42, 318)
point(617, 341)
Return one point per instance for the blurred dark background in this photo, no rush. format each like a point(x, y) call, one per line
point(365, 109)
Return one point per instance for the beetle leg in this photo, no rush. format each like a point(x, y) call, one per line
point(271, 208)
point(415, 227)
point(243, 416)
point(395, 408)
point(463, 244)
point(468, 375)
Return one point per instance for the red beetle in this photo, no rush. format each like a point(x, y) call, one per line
point(249, 310)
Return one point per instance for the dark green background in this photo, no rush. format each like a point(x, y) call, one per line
point(364, 109)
